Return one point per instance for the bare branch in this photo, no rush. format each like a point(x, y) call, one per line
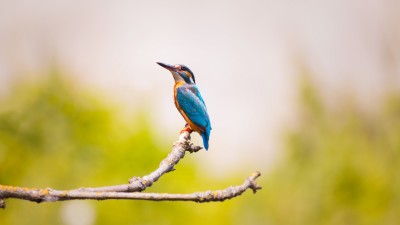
point(50, 195)
point(135, 186)
point(167, 165)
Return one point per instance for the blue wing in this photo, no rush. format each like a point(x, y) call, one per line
point(191, 102)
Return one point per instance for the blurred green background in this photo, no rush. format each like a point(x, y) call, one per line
point(339, 166)
point(307, 92)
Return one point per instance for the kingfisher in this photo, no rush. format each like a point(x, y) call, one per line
point(189, 102)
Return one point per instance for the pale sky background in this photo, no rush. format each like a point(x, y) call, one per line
point(245, 55)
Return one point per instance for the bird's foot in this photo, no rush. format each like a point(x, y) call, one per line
point(187, 129)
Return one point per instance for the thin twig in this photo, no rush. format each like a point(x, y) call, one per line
point(167, 165)
point(50, 195)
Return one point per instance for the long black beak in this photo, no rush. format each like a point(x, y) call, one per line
point(167, 66)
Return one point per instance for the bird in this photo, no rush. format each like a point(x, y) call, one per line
point(189, 102)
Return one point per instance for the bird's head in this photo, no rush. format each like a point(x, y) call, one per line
point(180, 72)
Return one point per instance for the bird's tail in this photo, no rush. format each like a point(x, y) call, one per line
point(206, 135)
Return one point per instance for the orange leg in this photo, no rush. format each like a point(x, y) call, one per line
point(187, 129)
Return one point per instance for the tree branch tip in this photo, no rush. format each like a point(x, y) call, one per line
point(252, 181)
point(2, 204)
point(256, 174)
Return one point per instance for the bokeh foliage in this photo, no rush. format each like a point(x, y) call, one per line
point(338, 167)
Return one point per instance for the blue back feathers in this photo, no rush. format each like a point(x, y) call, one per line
point(191, 102)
